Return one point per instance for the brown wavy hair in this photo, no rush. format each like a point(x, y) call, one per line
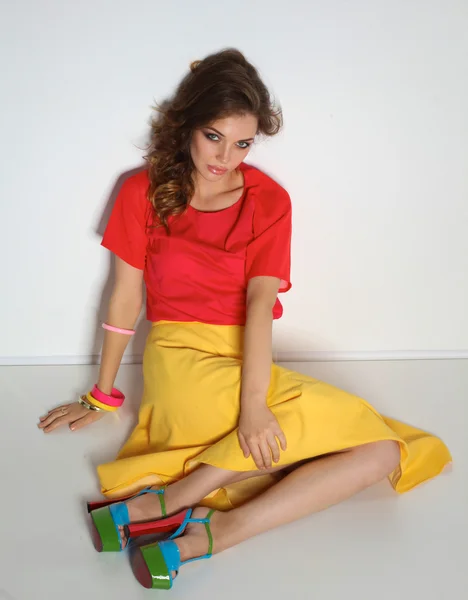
point(223, 84)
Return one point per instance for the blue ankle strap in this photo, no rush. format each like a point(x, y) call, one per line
point(159, 493)
point(183, 525)
point(206, 522)
point(171, 552)
point(119, 510)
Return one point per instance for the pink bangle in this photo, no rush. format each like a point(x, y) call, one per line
point(118, 329)
point(115, 399)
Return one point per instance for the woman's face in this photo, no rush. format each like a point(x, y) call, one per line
point(218, 149)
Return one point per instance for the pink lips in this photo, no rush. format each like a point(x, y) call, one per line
point(216, 170)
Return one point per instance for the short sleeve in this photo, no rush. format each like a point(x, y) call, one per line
point(269, 253)
point(125, 234)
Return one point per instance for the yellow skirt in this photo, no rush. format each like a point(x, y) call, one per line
point(190, 410)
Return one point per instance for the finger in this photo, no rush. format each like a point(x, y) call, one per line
point(282, 439)
point(44, 417)
point(56, 409)
point(256, 454)
point(44, 422)
point(50, 419)
point(266, 454)
point(243, 445)
point(273, 444)
point(57, 423)
point(86, 420)
point(53, 414)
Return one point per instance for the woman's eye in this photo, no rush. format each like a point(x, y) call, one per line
point(215, 138)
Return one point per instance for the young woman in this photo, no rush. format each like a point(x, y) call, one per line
point(220, 427)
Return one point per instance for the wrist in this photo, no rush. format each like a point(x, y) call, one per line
point(105, 386)
point(249, 400)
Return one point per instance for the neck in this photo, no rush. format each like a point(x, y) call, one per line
point(207, 189)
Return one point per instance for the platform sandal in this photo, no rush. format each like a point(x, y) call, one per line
point(153, 564)
point(108, 516)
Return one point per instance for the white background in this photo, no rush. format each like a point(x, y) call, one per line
point(374, 154)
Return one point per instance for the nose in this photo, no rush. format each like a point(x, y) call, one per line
point(223, 154)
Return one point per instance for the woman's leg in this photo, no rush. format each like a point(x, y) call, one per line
point(189, 491)
point(310, 488)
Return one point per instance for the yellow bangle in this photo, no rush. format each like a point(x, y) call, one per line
point(98, 404)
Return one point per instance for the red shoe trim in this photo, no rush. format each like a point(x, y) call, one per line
point(158, 526)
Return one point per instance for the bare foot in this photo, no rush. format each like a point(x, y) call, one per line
point(145, 508)
point(194, 542)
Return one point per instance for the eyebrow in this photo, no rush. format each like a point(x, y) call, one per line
point(219, 133)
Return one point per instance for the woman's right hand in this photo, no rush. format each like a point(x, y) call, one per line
point(74, 415)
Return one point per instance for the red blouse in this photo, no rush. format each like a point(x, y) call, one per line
point(200, 271)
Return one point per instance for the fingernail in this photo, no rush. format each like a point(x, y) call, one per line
point(72, 427)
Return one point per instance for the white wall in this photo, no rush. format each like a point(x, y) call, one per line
point(374, 154)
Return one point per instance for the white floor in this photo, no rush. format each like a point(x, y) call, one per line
point(377, 545)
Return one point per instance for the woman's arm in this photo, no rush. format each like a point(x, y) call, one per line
point(261, 297)
point(124, 309)
point(258, 427)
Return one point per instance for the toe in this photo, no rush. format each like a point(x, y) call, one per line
point(123, 537)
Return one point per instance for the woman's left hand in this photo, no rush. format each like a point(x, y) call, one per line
point(258, 433)
point(74, 415)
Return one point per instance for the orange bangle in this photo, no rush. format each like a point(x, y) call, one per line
point(92, 400)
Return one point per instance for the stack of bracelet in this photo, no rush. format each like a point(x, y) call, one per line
point(97, 400)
